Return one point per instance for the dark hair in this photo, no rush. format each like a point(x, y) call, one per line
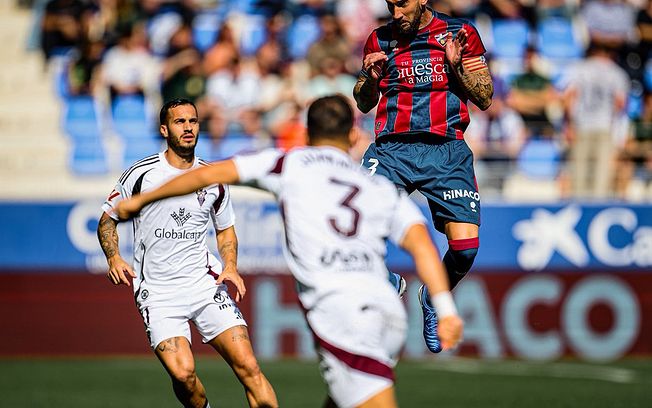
point(330, 117)
point(163, 115)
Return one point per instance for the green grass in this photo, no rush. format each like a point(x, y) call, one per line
point(141, 382)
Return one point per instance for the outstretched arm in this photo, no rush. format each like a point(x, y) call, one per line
point(107, 234)
point(223, 172)
point(472, 73)
point(417, 242)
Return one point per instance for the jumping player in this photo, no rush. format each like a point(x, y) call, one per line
point(421, 69)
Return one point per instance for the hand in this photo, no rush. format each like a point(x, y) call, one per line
point(456, 47)
point(450, 331)
point(373, 64)
point(119, 270)
point(128, 208)
point(229, 273)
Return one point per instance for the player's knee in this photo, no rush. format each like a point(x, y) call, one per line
point(184, 375)
point(461, 254)
point(247, 367)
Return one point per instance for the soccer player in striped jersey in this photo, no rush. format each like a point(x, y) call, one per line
point(176, 279)
point(336, 220)
point(421, 69)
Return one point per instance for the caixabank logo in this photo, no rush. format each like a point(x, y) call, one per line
point(612, 237)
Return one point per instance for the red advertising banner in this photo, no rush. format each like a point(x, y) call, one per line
point(538, 316)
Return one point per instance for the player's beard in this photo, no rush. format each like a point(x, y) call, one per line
point(185, 150)
point(413, 27)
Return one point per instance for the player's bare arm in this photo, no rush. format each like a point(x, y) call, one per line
point(227, 245)
point(430, 269)
point(223, 172)
point(107, 234)
point(365, 92)
point(472, 72)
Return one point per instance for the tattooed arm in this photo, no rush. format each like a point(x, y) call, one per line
point(227, 245)
point(107, 234)
point(472, 73)
point(477, 85)
point(366, 91)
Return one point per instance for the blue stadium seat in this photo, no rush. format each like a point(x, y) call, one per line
point(253, 35)
point(130, 117)
point(204, 148)
point(556, 39)
point(138, 148)
point(510, 38)
point(304, 31)
point(540, 159)
point(80, 120)
point(88, 158)
point(205, 29)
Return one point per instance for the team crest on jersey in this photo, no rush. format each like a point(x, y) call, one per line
point(181, 217)
point(441, 38)
point(201, 196)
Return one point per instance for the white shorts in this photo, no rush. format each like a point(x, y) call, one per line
point(212, 312)
point(359, 336)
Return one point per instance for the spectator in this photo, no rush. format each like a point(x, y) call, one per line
point(220, 54)
point(595, 98)
point(84, 68)
point(128, 67)
point(634, 173)
point(495, 136)
point(331, 45)
point(533, 96)
point(234, 89)
point(331, 79)
point(182, 72)
point(60, 29)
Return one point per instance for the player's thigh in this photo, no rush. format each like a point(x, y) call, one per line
point(449, 185)
point(235, 346)
point(176, 356)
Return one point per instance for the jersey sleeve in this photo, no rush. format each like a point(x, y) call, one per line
point(474, 48)
point(261, 169)
point(119, 192)
point(371, 45)
point(406, 215)
point(222, 213)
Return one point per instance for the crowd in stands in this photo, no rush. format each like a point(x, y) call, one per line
point(571, 114)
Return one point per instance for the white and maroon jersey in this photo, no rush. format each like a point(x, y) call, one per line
point(170, 249)
point(336, 216)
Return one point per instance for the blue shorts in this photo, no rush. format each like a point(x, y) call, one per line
point(439, 168)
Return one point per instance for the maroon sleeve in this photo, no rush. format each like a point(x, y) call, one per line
point(475, 47)
point(372, 44)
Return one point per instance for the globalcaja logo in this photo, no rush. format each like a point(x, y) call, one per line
point(181, 217)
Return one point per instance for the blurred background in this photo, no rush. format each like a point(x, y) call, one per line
point(563, 160)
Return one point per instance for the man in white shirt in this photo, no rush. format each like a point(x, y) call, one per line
point(336, 220)
point(176, 279)
point(596, 96)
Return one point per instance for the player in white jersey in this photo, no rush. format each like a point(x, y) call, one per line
point(176, 279)
point(336, 220)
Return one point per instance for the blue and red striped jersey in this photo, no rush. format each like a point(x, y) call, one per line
point(419, 92)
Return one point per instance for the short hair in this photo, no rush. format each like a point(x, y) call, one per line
point(330, 117)
point(165, 109)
